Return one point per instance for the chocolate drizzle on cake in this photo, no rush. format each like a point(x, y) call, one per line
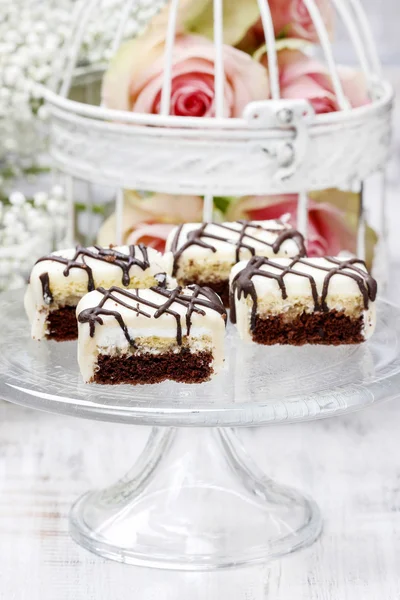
point(243, 283)
point(110, 255)
point(201, 298)
point(47, 295)
point(198, 237)
point(161, 279)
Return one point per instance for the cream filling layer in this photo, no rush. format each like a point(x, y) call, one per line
point(294, 306)
point(215, 267)
point(204, 270)
point(74, 290)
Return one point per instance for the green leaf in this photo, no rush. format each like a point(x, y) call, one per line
point(7, 172)
point(292, 44)
point(36, 170)
point(283, 44)
point(97, 209)
point(222, 203)
point(196, 16)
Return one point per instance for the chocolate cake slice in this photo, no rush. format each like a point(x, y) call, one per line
point(60, 280)
point(204, 253)
point(303, 301)
point(149, 335)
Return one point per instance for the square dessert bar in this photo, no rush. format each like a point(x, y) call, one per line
point(204, 253)
point(149, 335)
point(303, 301)
point(59, 281)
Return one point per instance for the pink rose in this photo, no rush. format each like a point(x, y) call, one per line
point(148, 220)
point(304, 77)
point(153, 235)
point(292, 19)
point(135, 78)
point(327, 235)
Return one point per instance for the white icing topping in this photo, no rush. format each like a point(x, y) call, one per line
point(259, 235)
point(296, 285)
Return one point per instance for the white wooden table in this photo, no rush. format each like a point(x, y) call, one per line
point(351, 465)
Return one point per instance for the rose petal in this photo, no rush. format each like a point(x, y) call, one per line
point(327, 234)
point(354, 86)
point(293, 65)
point(161, 208)
point(291, 17)
point(152, 235)
point(321, 100)
point(167, 208)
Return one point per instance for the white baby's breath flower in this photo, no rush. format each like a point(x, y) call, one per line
point(53, 205)
point(57, 191)
point(31, 38)
point(40, 199)
point(17, 198)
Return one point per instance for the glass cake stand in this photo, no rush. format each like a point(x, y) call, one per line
point(195, 500)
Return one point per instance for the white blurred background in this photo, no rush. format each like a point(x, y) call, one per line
point(384, 17)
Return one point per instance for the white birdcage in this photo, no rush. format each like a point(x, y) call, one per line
point(277, 146)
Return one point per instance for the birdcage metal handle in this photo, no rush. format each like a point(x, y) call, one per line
point(293, 115)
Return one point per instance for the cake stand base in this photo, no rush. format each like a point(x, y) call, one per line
point(194, 501)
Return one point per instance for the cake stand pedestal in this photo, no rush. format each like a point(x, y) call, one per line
point(195, 500)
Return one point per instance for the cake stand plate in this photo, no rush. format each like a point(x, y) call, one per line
point(195, 500)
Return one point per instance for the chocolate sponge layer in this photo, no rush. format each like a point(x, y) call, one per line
point(62, 324)
point(331, 328)
point(183, 366)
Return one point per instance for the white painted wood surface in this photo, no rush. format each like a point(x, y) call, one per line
point(351, 465)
